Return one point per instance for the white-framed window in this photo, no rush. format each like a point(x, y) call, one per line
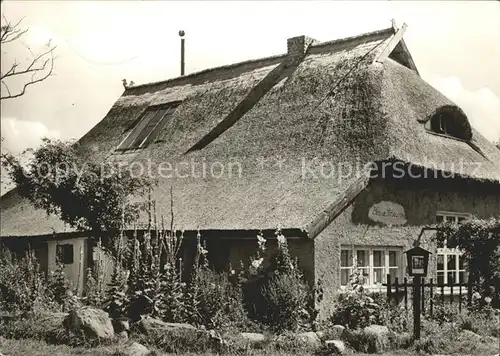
point(450, 261)
point(376, 262)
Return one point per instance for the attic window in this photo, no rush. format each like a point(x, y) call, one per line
point(450, 121)
point(148, 127)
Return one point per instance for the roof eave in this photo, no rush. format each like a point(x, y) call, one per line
point(315, 227)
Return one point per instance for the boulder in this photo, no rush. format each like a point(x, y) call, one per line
point(377, 338)
point(469, 335)
point(134, 349)
point(216, 340)
point(253, 338)
point(337, 331)
point(121, 325)
point(336, 347)
point(151, 325)
point(95, 323)
point(309, 338)
point(123, 335)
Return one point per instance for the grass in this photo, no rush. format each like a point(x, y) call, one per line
point(10, 347)
point(27, 347)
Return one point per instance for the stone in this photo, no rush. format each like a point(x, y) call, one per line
point(310, 338)
point(122, 335)
point(335, 346)
point(147, 325)
point(216, 339)
point(134, 349)
point(469, 335)
point(120, 325)
point(253, 338)
point(95, 323)
point(337, 331)
point(377, 337)
point(321, 335)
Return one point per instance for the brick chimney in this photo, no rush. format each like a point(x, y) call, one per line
point(298, 45)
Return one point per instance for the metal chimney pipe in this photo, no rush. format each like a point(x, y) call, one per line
point(181, 34)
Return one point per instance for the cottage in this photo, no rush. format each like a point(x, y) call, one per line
point(341, 144)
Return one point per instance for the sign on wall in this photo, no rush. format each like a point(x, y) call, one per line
point(388, 213)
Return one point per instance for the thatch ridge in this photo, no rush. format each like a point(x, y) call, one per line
point(321, 46)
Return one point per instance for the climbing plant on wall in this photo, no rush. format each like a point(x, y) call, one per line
point(480, 242)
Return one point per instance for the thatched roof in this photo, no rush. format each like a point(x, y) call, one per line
point(335, 104)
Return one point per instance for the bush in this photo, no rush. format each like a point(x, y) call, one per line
point(397, 319)
point(34, 292)
point(278, 296)
point(444, 313)
point(23, 328)
point(220, 302)
point(479, 323)
point(23, 295)
point(286, 298)
point(448, 339)
point(356, 310)
point(147, 281)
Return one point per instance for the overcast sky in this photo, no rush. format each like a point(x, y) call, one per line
point(455, 45)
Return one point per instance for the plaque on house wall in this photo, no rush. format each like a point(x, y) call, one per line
point(388, 213)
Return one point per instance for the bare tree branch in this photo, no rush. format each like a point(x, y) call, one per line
point(37, 70)
point(11, 32)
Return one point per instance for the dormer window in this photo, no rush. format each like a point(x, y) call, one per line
point(144, 133)
point(450, 121)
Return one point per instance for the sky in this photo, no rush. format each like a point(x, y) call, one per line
point(455, 45)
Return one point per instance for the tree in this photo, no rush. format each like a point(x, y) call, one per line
point(480, 242)
point(84, 194)
point(35, 70)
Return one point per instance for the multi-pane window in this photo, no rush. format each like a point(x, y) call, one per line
point(65, 254)
point(374, 262)
point(148, 127)
point(450, 261)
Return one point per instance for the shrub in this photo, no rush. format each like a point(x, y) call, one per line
point(95, 289)
point(26, 294)
point(23, 328)
point(278, 296)
point(286, 299)
point(448, 339)
point(220, 302)
point(397, 319)
point(117, 302)
point(171, 303)
point(356, 310)
point(480, 242)
point(479, 323)
point(444, 313)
